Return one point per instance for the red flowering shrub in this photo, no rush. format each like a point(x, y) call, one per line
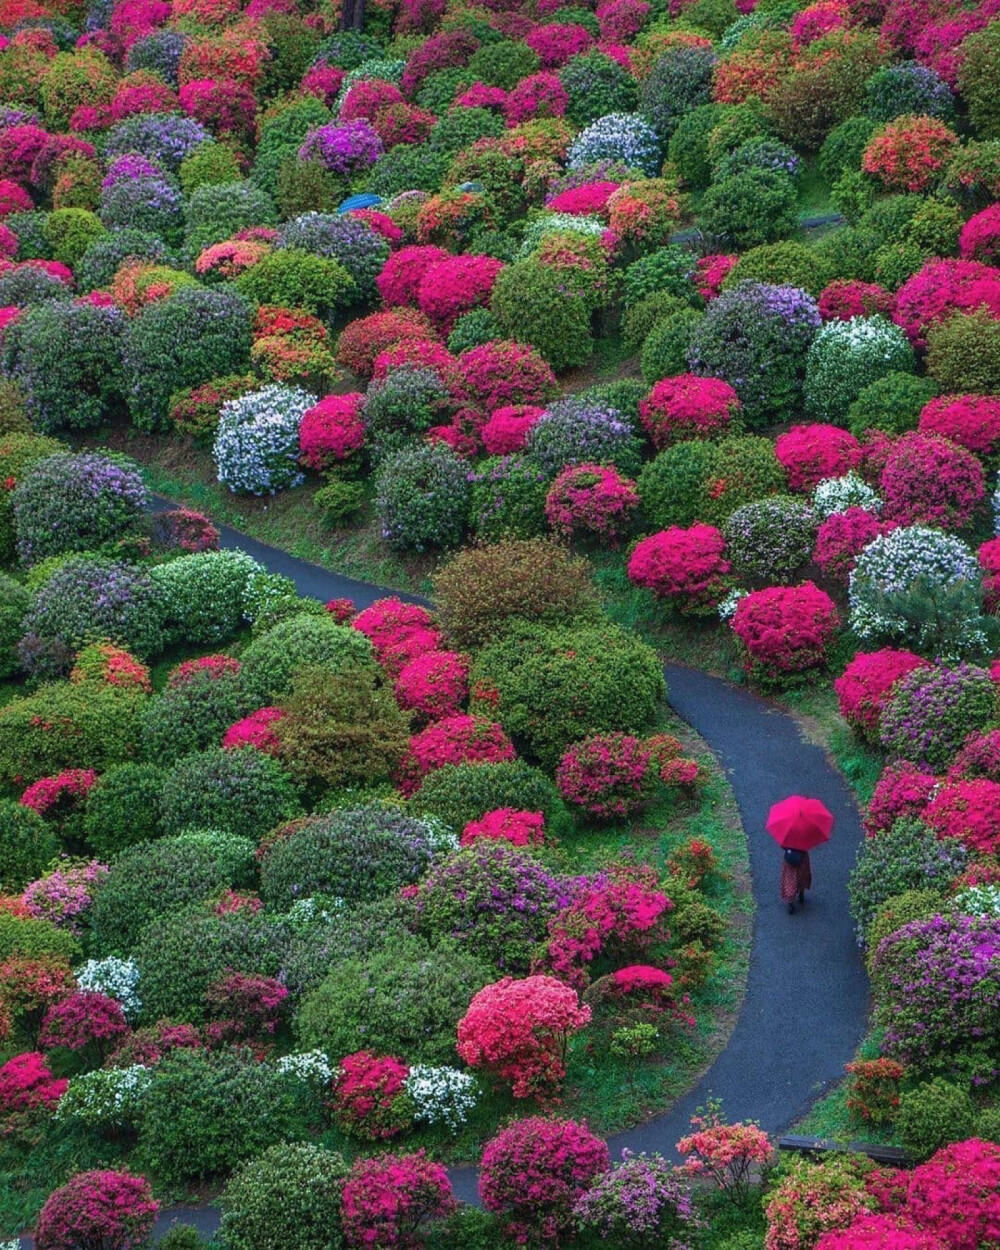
point(557, 43)
point(908, 153)
point(607, 775)
point(724, 1153)
point(221, 105)
point(956, 1193)
point(902, 791)
point(971, 421)
point(81, 1018)
point(929, 480)
point(381, 223)
point(27, 1089)
point(979, 757)
point(461, 739)
point(365, 98)
point(874, 1230)
point(331, 431)
point(534, 1172)
point(434, 684)
point(369, 1099)
point(940, 288)
point(243, 1005)
point(455, 286)
point(873, 1090)
point(980, 237)
point(67, 789)
point(685, 566)
point(589, 199)
point(399, 281)
point(256, 731)
point(391, 1200)
point(810, 453)
point(363, 339)
point(644, 214)
point(519, 1030)
point(867, 682)
point(710, 273)
point(785, 629)
point(186, 529)
point(501, 373)
point(507, 825)
point(970, 811)
point(593, 498)
point(622, 909)
point(422, 353)
point(687, 406)
point(480, 96)
point(217, 665)
point(148, 1046)
point(842, 537)
point(112, 1210)
point(845, 298)
point(507, 428)
point(538, 95)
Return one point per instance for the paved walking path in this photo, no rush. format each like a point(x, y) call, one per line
point(806, 998)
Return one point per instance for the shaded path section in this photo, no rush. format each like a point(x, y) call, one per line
point(807, 996)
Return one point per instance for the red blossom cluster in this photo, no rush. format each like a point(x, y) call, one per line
point(687, 406)
point(505, 824)
point(331, 431)
point(686, 566)
point(810, 453)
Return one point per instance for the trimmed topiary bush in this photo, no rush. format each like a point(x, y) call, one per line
point(243, 792)
point(27, 845)
point(298, 1186)
point(531, 305)
point(847, 356)
point(300, 641)
point(422, 498)
point(123, 808)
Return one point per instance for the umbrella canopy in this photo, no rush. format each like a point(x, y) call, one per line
point(799, 824)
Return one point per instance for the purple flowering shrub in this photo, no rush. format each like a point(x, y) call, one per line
point(639, 1202)
point(931, 711)
point(578, 431)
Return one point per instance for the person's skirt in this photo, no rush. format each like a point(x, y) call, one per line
point(794, 880)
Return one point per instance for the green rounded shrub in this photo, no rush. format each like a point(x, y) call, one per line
point(36, 939)
point(783, 264)
point(458, 793)
point(192, 716)
point(664, 353)
point(422, 498)
point(27, 845)
point(301, 641)
point(847, 356)
point(932, 1115)
point(749, 209)
point(963, 353)
point(892, 403)
point(123, 808)
point(204, 595)
point(14, 600)
point(295, 278)
point(288, 1186)
point(532, 306)
point(242, 792)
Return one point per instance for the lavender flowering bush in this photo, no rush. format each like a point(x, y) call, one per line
point(908, 88)
point(256, 446)
point(160, 52)
point(931, 711)
point(756, 337)
point(938, 995)
point(758, 154)
point(579, 431)
point(343, 147)
point(149, 203)
point(640, 1202)
point(76, 503)
point(166, 138)
point(422, 498)
point(508, 498)
point(354, 243)
point(770, 539)
point(622, 137)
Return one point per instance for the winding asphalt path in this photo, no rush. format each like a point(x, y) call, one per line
point(807, 996)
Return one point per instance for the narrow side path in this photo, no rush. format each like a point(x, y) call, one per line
point(807, 995)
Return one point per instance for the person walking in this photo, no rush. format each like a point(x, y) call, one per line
point(796, 877)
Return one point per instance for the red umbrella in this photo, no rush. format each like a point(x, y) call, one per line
point(799, 824)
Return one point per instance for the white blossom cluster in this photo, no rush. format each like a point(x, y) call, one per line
point(117, 978)
point(727, 608)
point(309, 1066)
point(979, 900)
point(996, 509)
point(257, 443)
point(558, 223)
point(441, 1095)
point(837, 494)
point(441, 838)
point(623, 137)
point(106, 1096)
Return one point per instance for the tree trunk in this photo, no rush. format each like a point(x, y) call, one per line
point(353, 15)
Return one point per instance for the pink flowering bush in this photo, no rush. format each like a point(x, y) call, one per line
point(592, 498)
point(401, 275)
point(971, 421)
point(507, 825)
point(455, 286)
point(369, 1097)
point(28, 1091)
point(221, 105)
point(220, 666)
point(644, 214)
point(502, 373)
point(866, 683)
point(812, 1198)
point(112, 1210)
point(391, 1200)
point(519, 1031)
point(538, 95)
point(711, 272)
point(63, 791)
point(842, 537)
point(589, 199)
point(459, 739)
point(980, 237)
point(785, 630)
point(979, 757)
point(989, 560)
point(686, 567)
point(243, 1005)
point(818, 20)
point(361, 341)
point(929, 480)
point(969, 811)
point(255, 730)
point(956, 1193)
point(902, 791)
point(557, 43)
point(810, 453)
point(389, 622)
point(331, 431)
point(507, 429)
point(845, 298)
point(63, 895)
point(875, 1230)
point(535, 1171)
point(686, 407)
point(723, 1153)
point(940, 288)
point(607, 775)
point(908, 153)
point(81, 1019)
point(434, 685)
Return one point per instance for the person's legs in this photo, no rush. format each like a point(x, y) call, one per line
point(791, 909)
point(802, 896)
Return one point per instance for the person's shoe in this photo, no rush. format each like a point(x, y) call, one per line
point(791, 909)
point(802, 896)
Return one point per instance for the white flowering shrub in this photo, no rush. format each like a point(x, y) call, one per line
point(727, 608)
point(837, 494)
point(996, 509)
point(311, 1067)
point(106, 1097)
point(441, 1095)
point(979, 900)
point(257, 441)
point(441, 838)
point(118, 978)
point(618, 137)
point(558, 223)
point(205, 594)
point(847, 356)
point(920, 588)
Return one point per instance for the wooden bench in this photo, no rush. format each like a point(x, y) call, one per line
point(891, 1155)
